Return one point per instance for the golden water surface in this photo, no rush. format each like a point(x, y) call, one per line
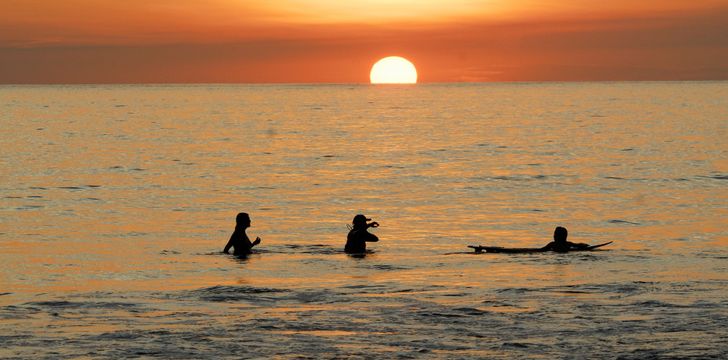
point(115, 202)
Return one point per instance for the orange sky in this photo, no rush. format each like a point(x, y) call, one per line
point(158, 41)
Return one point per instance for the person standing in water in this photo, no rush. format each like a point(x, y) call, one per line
point(560, 244)
point(239, 239)
point(356, 241)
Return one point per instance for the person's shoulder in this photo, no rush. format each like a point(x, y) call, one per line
point(358, 231)
point(353, 235)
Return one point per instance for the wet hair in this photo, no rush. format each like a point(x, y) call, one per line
point(560, 233)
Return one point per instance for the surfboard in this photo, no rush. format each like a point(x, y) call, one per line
point(598, 246)
point(505, 250)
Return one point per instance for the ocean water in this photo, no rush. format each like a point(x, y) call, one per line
point(115, 202)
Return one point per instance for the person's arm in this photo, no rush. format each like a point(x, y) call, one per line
point(256, 242)
point(229, 244)
point(369, 236)
point(548, 247)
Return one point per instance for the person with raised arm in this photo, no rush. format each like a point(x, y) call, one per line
point(356, 241)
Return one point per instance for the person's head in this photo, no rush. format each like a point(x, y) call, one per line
point(360, 220)
point(242, 220)
point(560, 234)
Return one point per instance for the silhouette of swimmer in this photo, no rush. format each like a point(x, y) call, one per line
point(356, 241)
point(560, 244)
point(239, 240)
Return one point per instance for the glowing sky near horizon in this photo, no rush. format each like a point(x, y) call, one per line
point(337, 41)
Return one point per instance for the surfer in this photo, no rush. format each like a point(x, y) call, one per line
point(560, 244)
point(356, 241)
point(239, 240)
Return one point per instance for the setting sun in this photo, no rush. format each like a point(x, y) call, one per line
point(393, 70)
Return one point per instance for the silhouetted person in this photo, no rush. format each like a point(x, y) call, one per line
point(560, 244)
point(356, 241)
point(239, 240)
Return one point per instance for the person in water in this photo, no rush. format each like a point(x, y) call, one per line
point(239, 240)
point(560, 244)
point(356, 241)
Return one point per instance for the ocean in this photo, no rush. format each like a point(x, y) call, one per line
point(116, 201)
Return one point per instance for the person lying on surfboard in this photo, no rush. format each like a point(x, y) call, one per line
point(560, 244)
point(239, 240)
point(356, 241)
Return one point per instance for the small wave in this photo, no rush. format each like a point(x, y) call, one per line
point(389, 267)
point(359, 287)
point(657, 304)
point(132, 234)
point(215, 253)
point(471, 311)
point(29, 207)
point(439, 314)
point(627, 179)
point(79, 187)
point(591, 255)
point(506, 178)
point(515, 290)
point(718, 177)
point(621, 289)
point(63, 304)
point(317, 297)
point(223, 293)
point(315, 249)
point(13, 312)
point(712, 255)
point(631, 288)
point(119, 335)
point(618, 221)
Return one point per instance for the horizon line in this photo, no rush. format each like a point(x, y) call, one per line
point(364, 83)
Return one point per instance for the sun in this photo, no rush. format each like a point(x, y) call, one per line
point(393, 70)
